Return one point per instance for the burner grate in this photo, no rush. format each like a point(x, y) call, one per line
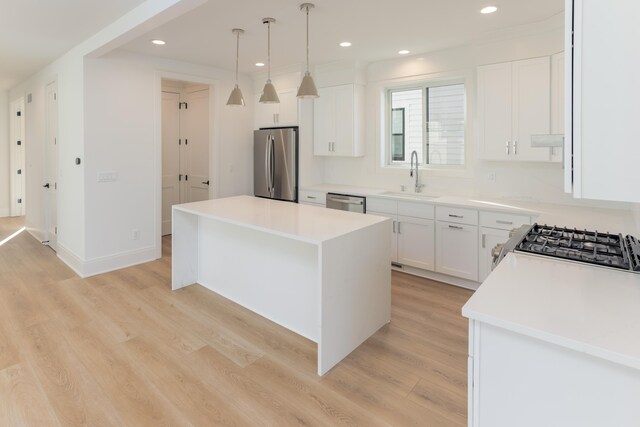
point(592, 247)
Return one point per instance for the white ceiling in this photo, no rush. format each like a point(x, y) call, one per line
point(377, 29)
point(33, 33)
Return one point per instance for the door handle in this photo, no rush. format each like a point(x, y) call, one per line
point(46, 185)
point(456, 227)
point(273, 164)
point(205, 182)
point(508, 147)
point(267, 174)
point(515, 148)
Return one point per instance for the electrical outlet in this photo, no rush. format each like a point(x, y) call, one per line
point(491, 176)
point(135, 234)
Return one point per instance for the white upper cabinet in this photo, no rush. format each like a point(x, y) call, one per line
point(338, 121)
point(275, 115)
point(514, 103)
point(602, 142)
point(557, 102)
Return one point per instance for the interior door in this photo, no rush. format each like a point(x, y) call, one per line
point(196, 146)
point(170, 157)
point(17, 156)
point(51, 184)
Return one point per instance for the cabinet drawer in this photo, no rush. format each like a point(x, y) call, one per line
point(457, 215)
point(309, 196)
point(416, 210)
point(503, 221)
point(382, 205)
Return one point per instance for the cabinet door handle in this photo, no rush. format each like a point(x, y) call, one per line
point(399, 227)
point(499, 221)
point(515, 148)
point(394, 227)
point(456, 227)
point(456, 216)
point(484, 241)
point(508, 147)
point(329, 146)
point(311, 197)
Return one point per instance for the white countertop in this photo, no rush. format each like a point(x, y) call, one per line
point(581, 217)
point(299, 222)
point(588, 309)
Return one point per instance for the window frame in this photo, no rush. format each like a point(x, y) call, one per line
point(422, 85)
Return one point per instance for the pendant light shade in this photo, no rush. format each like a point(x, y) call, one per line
point(307, 87)
point(236, 98)
point(269, 94)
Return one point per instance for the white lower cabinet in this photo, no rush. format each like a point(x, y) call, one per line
point(489, 238)
point(416, 242)
point(457, 250)
point(394, 234)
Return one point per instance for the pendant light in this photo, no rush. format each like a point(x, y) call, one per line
point(307, 87)
point(236, 98)
point(269, 94)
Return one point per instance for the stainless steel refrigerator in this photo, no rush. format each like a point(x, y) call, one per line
point(275, 163)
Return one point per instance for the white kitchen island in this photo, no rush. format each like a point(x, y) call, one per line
point(322, 273)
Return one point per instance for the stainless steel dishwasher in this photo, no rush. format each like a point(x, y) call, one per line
point(346, 202)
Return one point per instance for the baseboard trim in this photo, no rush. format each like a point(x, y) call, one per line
point(450, 280)
point(72, 260)
point(118, 261)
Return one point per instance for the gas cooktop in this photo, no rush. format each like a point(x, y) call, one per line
point(603, 249)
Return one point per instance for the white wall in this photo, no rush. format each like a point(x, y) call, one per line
point(530, 181)
point(4, 154)
point(122, 94)
point(68, 71)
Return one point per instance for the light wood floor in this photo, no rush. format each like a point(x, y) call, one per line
point(122, 349)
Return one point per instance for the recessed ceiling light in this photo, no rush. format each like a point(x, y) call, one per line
point(158, 42)
point(259, 64)
point(403, 52)
point(488, 9)
point(345, 44)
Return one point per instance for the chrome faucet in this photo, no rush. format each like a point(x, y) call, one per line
point(418, 186)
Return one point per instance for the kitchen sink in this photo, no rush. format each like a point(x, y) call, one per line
point(413, 196)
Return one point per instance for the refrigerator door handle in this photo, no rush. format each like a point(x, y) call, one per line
point(267, 163)
point(273, 166)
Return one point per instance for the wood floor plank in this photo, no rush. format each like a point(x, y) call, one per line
point(22, 401)
point(66, 381)
point(202, 405)
point(137, 400)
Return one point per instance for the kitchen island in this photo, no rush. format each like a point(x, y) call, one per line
point(324, 274)
point(554, 343)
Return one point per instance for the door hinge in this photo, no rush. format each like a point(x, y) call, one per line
point(19, 171)
point(180, 104)
point(180, 177)
point(186, 141)
point(55, 96)
point(19, 142)
point(55, 185)
point(55, 230)
point(19, 113)
point(186, 177)
point(180, 142)
point(19, 200)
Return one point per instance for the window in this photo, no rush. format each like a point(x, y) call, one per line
point(429, 120)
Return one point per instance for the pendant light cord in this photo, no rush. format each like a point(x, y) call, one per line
point(237, 54)
point(269, 51)
point(307, 38)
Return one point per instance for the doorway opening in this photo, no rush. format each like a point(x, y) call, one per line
point(17, 159)
point(186, 140)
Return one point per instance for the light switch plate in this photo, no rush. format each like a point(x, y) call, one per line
point(107, 176)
